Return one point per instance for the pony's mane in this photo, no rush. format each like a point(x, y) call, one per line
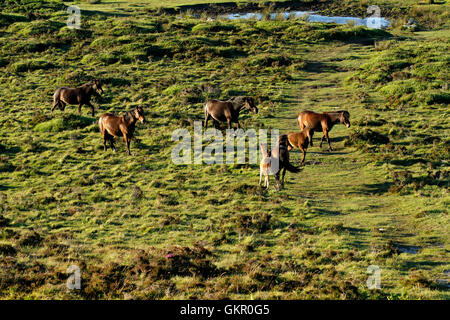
point(338, 111)
point(128, 115)
point(239, 101)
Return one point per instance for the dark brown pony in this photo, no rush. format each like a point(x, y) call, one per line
point(300, 140)
point(280, 154)
point(80, 95)
point(228, 111)
point(113, 126)
point(323, 122)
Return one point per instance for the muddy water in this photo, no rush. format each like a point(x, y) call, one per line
point(370, 22)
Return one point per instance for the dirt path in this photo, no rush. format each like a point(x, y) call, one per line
point(342, 185)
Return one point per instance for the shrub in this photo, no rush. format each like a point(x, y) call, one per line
point(32, 8)
point(436, 97)
point(69, 35)
point(267, 60)
point(7, 250)
point(173, 90)
point(67, 122)
point(35, 28)
point(3, 62)
point(213, 27)
point(345, 33)
point(128, 27)
point(30, 45)
point(363, 136)
point(31, 65)
point(272, 26)
point(8, 19)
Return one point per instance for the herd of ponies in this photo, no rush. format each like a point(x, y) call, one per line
point(112, 125)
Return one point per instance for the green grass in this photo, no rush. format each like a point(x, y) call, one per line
point(142, 227)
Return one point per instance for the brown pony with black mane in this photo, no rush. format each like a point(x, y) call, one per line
point(323, 122)
point(80, 95)
point(228, 111)
point(113, 126)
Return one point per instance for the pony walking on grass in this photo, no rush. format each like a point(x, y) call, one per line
point(113, 126)
point(323, 122)
point(80, 95)
point(228, 111)
point(300, 140)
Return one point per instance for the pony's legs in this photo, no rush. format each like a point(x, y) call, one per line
point(107, 137)
point(79, 108)
point(207, 116)
point(321, 141)
point(277, 179)
point(61, 105)
point(92, 108)
point(328, 141)
point(54, 104)
point(310, 138)
point(282, 178)
point(304, 155)
point(229, 123)
point(111, 143)
point(127, 142)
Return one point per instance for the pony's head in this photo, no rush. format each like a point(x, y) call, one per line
point(138, 113)
point(97, 86)
point(249, 104)
point(344, 117)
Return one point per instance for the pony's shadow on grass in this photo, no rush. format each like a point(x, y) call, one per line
point(332, 140)
point(139, 145)
point(328, 153)
point(376, 188)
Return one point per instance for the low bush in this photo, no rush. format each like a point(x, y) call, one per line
point(31, 65)
point(66, 122)
point(363, 136)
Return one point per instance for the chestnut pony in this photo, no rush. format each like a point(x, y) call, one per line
point(323, 122)
point(113, 126)
point(80, 95)
point(300, 140)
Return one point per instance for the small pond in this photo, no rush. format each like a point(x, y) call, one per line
point(370, 22)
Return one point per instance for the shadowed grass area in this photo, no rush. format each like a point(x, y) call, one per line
point(142, 227)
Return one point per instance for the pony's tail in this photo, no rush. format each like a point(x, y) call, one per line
point(56, 100)
point(289, 167)
point(299, 117)
point(100, 124)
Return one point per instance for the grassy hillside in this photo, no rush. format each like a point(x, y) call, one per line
point(141, 227)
